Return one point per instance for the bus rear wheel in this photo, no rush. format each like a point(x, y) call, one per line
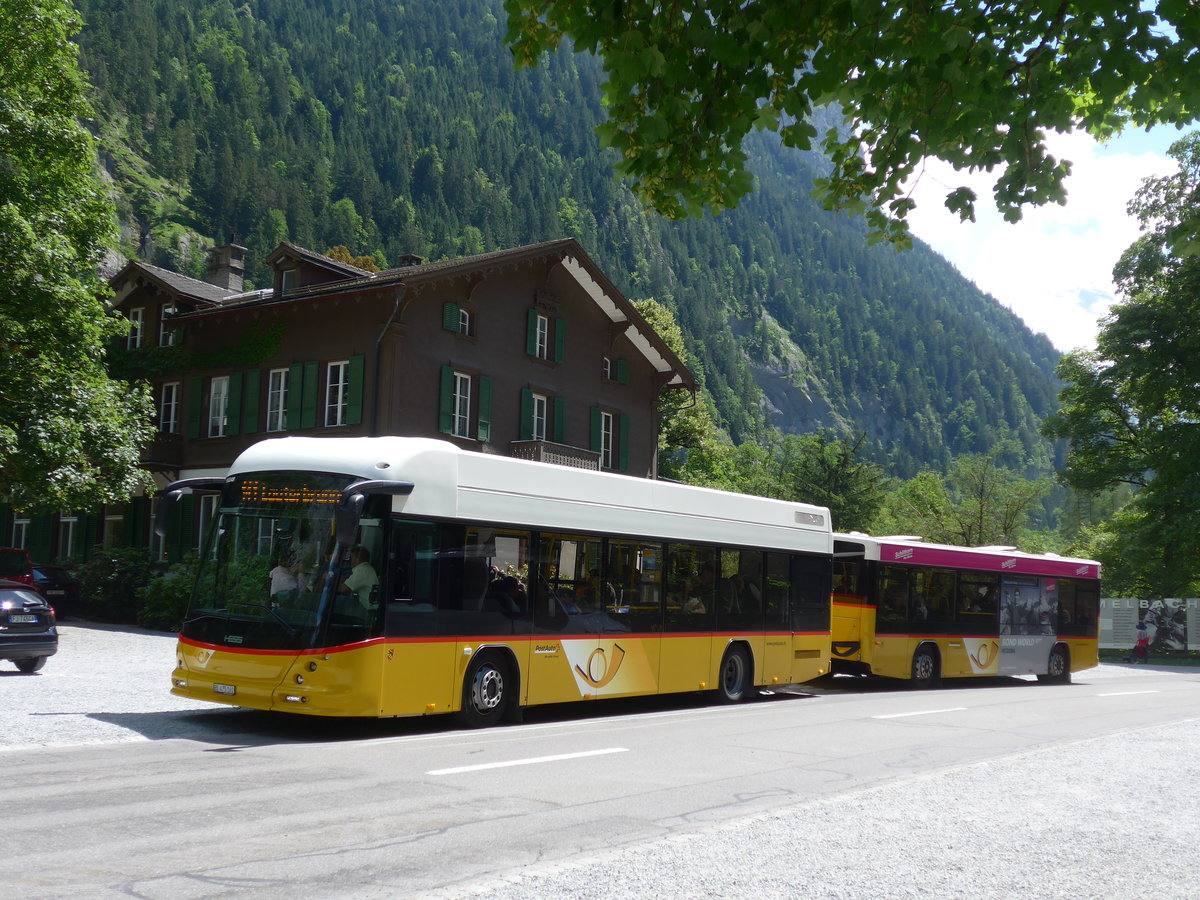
point(1058, 667)
point(485, 696)
point(733, 681)
point(925, 667)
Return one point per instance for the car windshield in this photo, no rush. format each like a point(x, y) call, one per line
point(262, 577)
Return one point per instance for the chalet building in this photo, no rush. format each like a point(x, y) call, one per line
point(530, 352)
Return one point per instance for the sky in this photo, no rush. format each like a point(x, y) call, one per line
point(1054, 267)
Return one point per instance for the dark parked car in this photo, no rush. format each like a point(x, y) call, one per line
point(59, 586)
point(15, 565)
point(28, 635)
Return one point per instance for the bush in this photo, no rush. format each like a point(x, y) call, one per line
point(111, 584)
point(165, 598)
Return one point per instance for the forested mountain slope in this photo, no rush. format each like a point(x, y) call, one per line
point(397, 128)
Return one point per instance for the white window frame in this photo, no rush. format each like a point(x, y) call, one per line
point(606, 368)
point(607, 426)
point(218, 406)
point(277, 391)
point(113, 523)
point(20, 533)
point(464, 321)
point(543, 337)
point(337, 393)
point(168, 408)
point(462, 405)
point(66, 535)
point(137, 323)
point(166, 332)
point(539, 409)
point(289, 280)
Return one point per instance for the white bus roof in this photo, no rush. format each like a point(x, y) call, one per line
point(910, 550)
point(452, 483)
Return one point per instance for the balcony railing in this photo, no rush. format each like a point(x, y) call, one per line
point(559, 454)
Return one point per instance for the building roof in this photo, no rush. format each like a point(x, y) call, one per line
point(193, 289)
point(213, 300)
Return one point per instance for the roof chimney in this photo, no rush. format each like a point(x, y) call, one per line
point(227, 267)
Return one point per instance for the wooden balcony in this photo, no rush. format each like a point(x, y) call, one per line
point(164, 453)
point(559, 454)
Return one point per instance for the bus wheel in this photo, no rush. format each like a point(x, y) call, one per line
point(924, 667)
point(1058, 669)
point(733, 681)
point(484, 698)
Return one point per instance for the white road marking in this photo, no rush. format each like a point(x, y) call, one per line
point(924, 712)
point(532, 761)
point(1125, 693)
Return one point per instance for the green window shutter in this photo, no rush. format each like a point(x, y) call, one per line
point(484, 429)
point(354, 398)
point(233, 412)
point(179, 530)
point(560, 420)
point(531, 332)
point(560, 336)
point(446, 402)
point(310, 396)
point(251, 401)
point(623, 371)
point(597, 438)
point(91, 537)
point(526, 414)
point(450, 319)
point(41, 537)
point(623, 445)
point(194, 399)
point(131, 525)
point(294, 394)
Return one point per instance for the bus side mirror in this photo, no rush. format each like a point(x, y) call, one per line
point(346, 516)
point(171, 494)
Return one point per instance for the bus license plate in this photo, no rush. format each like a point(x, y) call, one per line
point(224, 689)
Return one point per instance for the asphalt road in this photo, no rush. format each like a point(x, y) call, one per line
point(848, 788)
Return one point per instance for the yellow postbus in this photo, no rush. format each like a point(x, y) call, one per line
point(404, 576)
point(903, 608)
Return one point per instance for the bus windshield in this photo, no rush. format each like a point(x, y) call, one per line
point(268, 577)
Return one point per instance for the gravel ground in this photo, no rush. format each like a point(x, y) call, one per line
point(1112, 817)
point(103, 686)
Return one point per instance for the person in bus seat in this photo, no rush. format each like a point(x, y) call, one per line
point(363, 579)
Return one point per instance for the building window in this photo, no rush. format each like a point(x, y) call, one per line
point(538, 412)
point(168, 408)
point(20, 533)
point(462, 405)
point(606, 368)
point(337, 393)
point(543, 337)
point(66, 536)
point(289, 280)
point(113, 523)
point(606, 440)
point(166, 331)
point(137, 321)
point(277, 400)
point(218, 406)
point(464, 321)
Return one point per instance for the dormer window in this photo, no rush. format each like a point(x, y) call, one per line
point(289, 280)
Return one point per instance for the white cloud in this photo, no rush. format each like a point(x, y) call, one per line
point(1054, 267)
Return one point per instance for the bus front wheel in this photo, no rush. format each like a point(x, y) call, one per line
point(924, 667)
point(484, 692)
point(1058, 667)
point(733, 681)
